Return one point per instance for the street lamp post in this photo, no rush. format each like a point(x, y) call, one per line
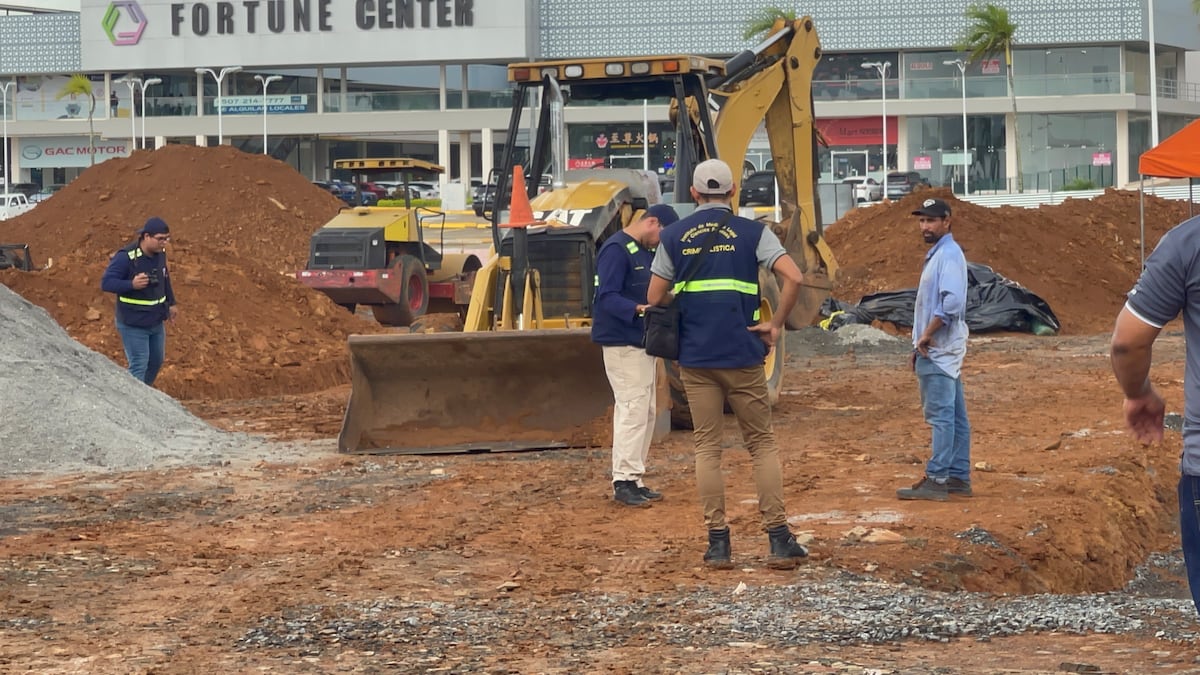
point(4, 113)
point(962, 73)
point(146, 84)
point(132, 82)
point(882, 69)
point(266, 81)
point(227, 70)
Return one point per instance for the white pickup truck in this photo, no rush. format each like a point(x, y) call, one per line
point(14, 204)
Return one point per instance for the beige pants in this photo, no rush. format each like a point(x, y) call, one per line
point(746, 390)
point(631, 373)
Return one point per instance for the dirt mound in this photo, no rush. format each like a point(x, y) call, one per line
point(240, 226)
point(1080, 256)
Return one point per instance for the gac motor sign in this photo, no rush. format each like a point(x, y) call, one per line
point(56, 152)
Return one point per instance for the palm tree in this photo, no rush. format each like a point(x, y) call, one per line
point(765, 19)
point(80, 85)
point(989, 33)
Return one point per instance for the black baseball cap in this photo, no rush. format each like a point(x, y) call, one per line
point(933, 208)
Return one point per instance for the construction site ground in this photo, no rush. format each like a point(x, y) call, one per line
point(1066, 559)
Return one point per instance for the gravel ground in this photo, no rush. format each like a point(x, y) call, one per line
point(822, 607)
point(68, 409)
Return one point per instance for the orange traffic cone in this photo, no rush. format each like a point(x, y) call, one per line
point(520, 213)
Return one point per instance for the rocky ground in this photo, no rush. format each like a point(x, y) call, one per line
point(1065, 560)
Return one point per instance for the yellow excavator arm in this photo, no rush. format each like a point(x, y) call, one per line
point(773, 84)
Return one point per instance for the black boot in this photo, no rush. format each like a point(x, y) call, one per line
point(651, 495)
point(627, 492)
point(786, 552)
point(718, 556)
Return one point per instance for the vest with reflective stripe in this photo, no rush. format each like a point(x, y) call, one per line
point(721, 299)
point(148, 305)
point(614, 321)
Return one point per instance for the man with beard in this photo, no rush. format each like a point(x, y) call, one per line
point(939, 338)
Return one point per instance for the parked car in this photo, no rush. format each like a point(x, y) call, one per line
point(427, 189)
point(759, 188)
point(379, 191)
point(27, 189)
point(13, 204)
point(901, 183)
point(864, 188)
point(46, 193)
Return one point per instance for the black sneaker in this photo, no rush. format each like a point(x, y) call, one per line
point(649, 494)
point(627, 493)
point(926, 488)
point(958, 486)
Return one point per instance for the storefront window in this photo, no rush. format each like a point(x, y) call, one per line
point(1068, 149)
point(1058, 71)
point(935, 142)
point(841, 77)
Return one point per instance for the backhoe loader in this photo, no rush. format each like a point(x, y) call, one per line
point(524, 373)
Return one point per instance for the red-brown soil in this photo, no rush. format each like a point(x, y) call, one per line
point(1080, 256)
point(240, 227)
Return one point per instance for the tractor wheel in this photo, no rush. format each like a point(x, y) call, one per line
point(414, 294)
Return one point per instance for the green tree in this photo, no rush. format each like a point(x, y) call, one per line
point(762, 22)
point(80, 85)
point(989, 33)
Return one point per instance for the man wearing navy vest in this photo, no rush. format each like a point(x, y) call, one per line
point(623, 276)
point(137, 274)
point(722, 347)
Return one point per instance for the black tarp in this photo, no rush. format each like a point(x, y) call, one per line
point(993, 303)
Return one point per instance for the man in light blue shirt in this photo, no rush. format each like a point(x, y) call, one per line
point(939, 344)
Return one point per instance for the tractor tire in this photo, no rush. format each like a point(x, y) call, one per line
point(681, 413)
point(414, 294)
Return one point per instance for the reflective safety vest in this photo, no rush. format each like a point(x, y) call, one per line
point(160, 287)
point(630, 246)
point(721, 299)
point(615, 321)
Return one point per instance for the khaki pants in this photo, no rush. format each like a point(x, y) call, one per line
point(746, 390)
point(631, 373)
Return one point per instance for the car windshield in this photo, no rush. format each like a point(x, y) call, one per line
point(760, 180)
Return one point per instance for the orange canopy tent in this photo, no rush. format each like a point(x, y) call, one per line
point(1176, 157)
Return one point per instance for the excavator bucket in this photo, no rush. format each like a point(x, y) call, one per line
point(487, 391)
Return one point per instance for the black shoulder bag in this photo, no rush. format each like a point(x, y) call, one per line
point(660, 335)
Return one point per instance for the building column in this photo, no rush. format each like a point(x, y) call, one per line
point(342, 91)
point(442, 87)
point(1010, 152)
point(320, 90)
point(486, 151)
point(464, 158)
point(1121, 157)
point(466, 100)
point(902, 158)
point(444, 153)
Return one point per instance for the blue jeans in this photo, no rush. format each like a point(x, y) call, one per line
point(946, 413)
point(1189, 529)
point(145, 349)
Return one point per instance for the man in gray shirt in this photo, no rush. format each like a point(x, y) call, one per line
point(1170, 284)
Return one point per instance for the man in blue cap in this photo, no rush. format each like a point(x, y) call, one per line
point(137, 274)
point(622, 279)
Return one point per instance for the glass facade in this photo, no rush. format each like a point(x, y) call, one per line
point(842, 77)
point(933, 142)
point(1068, 149)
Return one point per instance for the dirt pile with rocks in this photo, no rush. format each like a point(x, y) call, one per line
point(1080, 256)
point(240, 227)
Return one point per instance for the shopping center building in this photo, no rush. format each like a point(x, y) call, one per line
point(426, 79)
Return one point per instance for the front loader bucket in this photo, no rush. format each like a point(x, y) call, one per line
point(476, 392)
